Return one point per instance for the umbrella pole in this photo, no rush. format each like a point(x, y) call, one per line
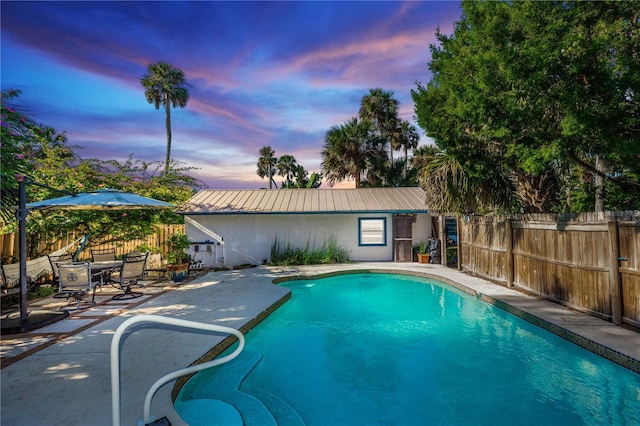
point(22, 233)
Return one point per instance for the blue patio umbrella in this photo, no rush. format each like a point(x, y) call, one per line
point(104, 199)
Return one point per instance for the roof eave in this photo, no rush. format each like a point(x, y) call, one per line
point(236, 212)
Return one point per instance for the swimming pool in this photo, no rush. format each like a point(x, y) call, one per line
point(371, 349)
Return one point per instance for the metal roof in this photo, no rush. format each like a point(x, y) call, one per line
point(305, 201)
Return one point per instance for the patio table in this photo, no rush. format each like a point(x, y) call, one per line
point(104, 268)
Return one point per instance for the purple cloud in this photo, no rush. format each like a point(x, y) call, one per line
point(261, 73)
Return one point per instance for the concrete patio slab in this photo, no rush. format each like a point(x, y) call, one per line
point(75, 366)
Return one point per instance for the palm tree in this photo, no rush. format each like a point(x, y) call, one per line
point(381, 109)
point(351, 150)
point(450, 187)
point(267, 164)
point(287, 167)
point(165, 85)
point(446, 184)
point(409, 139)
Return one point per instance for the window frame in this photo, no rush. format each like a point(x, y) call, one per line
point(384, 232)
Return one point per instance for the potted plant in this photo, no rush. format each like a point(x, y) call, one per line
point(177, 256)
point(423, 252)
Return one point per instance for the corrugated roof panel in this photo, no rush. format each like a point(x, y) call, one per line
point(299, 205)
point(235, 201)
point(306, 201)
point(269, 201)
point(344, 201)
point(376, 202)
point(207, 202)
point(256, 197)
point(357, 202)
point(266, 205)
point(203, 200)
point(225, 201)
point(313, 205)
point(196, 205)
point(322, 201)
point(329, 201)
point(278, 201)
point(264, 201)
point(244, 200)
point(388, 200)
point(286, 202)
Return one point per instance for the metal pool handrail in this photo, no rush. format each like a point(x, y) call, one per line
point(115, 359)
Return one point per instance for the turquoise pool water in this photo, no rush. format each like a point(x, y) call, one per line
point(382, 349)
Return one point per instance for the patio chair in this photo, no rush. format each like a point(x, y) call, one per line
point(55, 261)
point(131, 271)
point(76, 282)
point(99, 255)
point(4, 283)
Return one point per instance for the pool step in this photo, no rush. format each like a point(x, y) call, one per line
point(222, 399)
point(284, 413)
point(223, 387)
point(204, 412)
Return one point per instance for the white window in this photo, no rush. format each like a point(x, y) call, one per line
point(372, 231)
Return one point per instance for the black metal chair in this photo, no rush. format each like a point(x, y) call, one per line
point(100, 255)
point(76, 282)
point(131, 271)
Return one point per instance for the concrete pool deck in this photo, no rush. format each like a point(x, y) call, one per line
point(60, 374)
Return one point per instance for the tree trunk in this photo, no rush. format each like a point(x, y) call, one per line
point(567, 207)
point(167, 105)
point(406, 157)
point(599, 184)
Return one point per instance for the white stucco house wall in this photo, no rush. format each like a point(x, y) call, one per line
point(234, 227)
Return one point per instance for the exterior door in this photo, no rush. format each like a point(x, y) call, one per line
point(402, 238)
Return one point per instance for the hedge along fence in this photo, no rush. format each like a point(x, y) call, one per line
point(588, 262)
point(10, 245)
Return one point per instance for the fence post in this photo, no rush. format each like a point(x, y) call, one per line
point(509, 253)
point(615, 284)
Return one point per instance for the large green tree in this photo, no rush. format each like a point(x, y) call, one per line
point(540, 89)
point(353, 150)
point(165, 85)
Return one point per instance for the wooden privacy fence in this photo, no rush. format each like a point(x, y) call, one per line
point(10, 246)
point(587, 262)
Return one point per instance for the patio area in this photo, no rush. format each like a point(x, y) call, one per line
point(60, 374)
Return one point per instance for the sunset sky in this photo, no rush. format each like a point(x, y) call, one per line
point(261, 73)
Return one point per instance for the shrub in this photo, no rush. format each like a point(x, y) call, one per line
point(330, 252)
point(11, 300)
